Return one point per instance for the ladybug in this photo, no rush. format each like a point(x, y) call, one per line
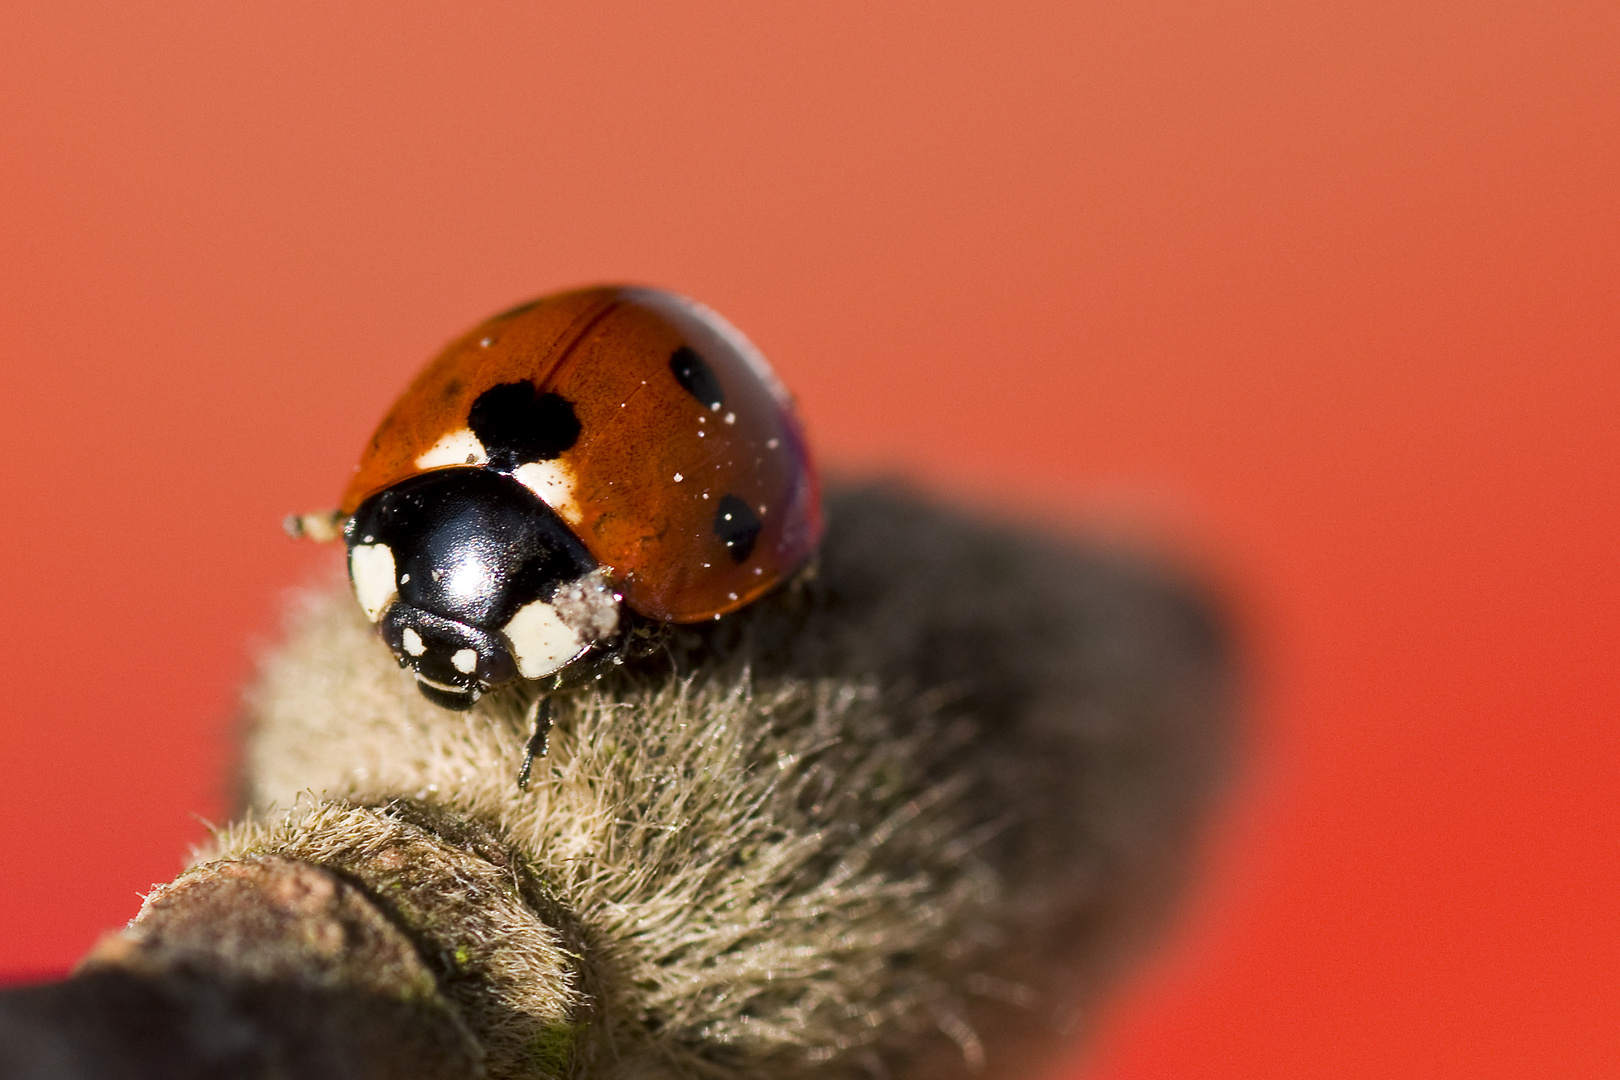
point(585, 455)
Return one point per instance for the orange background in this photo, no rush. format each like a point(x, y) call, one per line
point(1322, 296)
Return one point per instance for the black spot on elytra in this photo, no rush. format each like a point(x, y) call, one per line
point(696, 377)
point(518, 424)
point(737, 526)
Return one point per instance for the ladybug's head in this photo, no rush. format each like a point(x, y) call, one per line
point(474, 581)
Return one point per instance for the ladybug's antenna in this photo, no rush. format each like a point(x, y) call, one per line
point(321, 526)
point(540, 715)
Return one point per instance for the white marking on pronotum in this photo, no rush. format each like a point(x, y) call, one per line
point(465, 661)
point(547, 636)
point(371, 566)
point(553, 481)
point(412, 642)
point(541, 642)
point(457, 448)
point(679, 478)
point(731, 418)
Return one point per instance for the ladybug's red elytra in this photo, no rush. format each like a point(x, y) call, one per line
point(597, 448)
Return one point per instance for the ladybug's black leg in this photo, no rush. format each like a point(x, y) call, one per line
point(541, 712)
